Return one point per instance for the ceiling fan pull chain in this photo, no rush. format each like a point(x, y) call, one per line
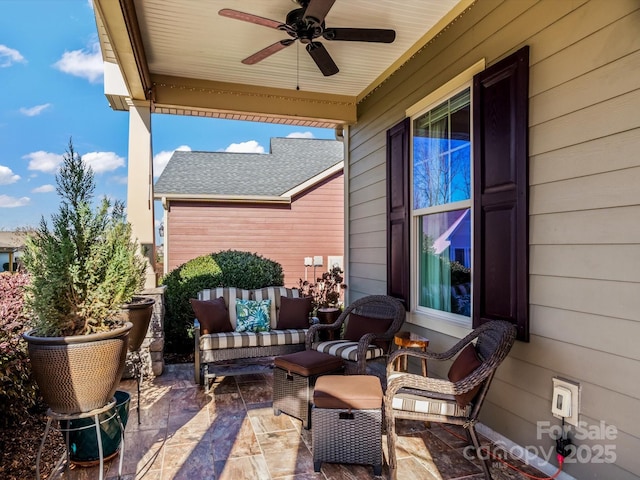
point(297, 66)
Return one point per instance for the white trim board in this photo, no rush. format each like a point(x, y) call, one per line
point(513, 448)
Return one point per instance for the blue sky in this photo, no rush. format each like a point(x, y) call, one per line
point(51, 90)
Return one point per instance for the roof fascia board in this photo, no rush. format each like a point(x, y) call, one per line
point(123, 33)
point(314, 180)
point(175, 92)
point(200, 197)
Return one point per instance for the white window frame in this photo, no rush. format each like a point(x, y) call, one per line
point(456, 85)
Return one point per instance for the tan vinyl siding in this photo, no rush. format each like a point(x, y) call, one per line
point(584, 166)
point(313, 224)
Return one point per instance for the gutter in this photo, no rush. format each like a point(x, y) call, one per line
point(203, 197)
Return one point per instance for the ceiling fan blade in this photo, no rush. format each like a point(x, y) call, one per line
point(360, 34)
point(318, 9)
point(248, 17)
point(267, 51)
point(322, 58)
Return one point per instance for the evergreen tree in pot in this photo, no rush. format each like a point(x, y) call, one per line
point(83, 269)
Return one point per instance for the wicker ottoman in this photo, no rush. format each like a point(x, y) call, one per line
point(347, 421)
point(293, 380)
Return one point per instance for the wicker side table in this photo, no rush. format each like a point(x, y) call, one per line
point(347, 421)
point(293, 380)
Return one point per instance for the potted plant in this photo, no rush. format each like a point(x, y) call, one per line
point(83, 269)
point(326, 294)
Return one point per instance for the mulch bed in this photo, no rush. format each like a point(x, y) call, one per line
point(19, 449)
point(19, 443)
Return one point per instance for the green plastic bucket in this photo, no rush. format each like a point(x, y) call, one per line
point(83, 447)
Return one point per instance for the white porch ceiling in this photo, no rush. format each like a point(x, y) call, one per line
point(186, 45)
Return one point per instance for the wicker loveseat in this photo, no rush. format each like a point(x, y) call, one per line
point(215, 347)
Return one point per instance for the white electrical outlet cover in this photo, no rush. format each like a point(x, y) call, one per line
point(561, 401)
point(571, 414)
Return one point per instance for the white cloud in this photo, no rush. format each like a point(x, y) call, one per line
point(7, 176)
point(161, 159)
point(250, 146)
point(102, 162)
point(33, 111)
point(44, 161)
point(83, 63)
point(11, 202)
point(300, 135)
point(44, 189)
point(9, 56)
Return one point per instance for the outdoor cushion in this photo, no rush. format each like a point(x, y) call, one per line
point(294, 313)
point(347, 350)
point(464, 364)
point(216, 341)
point(274, 293)
point(358, 325)
point(281, 337)
point(308, 363)
point(213, 315)
point(229, 294)
point(253, 315)
point(358, 392)
point(418, 402)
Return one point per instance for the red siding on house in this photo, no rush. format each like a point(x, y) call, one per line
point(312, 225)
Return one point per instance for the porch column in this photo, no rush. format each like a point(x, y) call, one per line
point(140, 184)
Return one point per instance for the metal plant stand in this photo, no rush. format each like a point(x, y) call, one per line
point(136, 359)
point(67, 418)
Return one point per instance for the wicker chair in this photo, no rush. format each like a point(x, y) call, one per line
point(367, 354)
point(416, 397)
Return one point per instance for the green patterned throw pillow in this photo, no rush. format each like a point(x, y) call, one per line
point(253, 315)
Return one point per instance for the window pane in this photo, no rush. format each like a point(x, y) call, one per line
point(445, 262)
point(442, 153)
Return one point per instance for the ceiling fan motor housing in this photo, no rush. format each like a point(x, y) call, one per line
point(304, 29)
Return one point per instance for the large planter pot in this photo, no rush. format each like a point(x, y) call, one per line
point(139, 313)
point(78, 373)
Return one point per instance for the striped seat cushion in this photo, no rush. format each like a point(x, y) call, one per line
point(412, 402)
point(274, 293)
point(347, 350)
point(281, 337)
point(216, 341)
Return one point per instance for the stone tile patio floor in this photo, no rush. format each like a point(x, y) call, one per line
point(231, 433)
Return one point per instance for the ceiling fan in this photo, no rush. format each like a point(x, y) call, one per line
point(306, 24)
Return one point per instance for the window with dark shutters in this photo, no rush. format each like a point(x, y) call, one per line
point(500, 274)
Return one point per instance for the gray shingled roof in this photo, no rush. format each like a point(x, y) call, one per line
point(11, 241)
point(292, 161)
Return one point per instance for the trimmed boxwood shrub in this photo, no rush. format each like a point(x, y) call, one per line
point(228, 268)
point(18, 391)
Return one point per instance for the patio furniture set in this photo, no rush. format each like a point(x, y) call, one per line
point(345, 390)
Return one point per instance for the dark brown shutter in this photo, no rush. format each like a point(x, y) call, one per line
point(500, 206)
point(398, 267)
